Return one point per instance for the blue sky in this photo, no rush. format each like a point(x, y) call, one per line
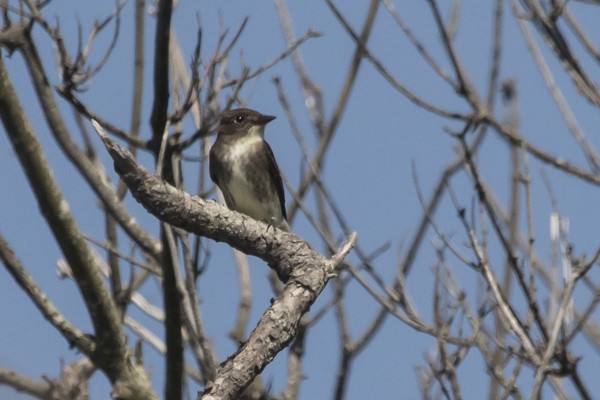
point(369, 172)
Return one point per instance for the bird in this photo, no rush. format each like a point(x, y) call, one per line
point(243, 166)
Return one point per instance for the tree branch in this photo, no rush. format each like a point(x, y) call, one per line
point(296, 262)
point(73, 335)
point(111, 353)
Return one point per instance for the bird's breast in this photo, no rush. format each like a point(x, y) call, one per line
point(240, 149)
point(243, 194)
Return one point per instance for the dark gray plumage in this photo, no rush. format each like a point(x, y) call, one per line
point(242, 164)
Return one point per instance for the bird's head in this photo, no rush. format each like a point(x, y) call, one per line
point(243, 121)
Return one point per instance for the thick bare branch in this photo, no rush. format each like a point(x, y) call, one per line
point(110, 353)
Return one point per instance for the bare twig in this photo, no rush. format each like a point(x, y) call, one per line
point(105, 317)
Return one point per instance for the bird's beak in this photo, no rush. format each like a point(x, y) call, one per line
point(265, 119)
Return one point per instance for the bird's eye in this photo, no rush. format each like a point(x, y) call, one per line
point(239, 118)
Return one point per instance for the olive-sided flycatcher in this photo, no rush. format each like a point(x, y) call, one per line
point(242, 164)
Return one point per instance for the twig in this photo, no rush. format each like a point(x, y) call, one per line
point(70, 332)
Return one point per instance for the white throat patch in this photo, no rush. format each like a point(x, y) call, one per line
point(240, 147)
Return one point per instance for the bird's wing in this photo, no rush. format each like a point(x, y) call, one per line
point(214, 165)
point(273, 169)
